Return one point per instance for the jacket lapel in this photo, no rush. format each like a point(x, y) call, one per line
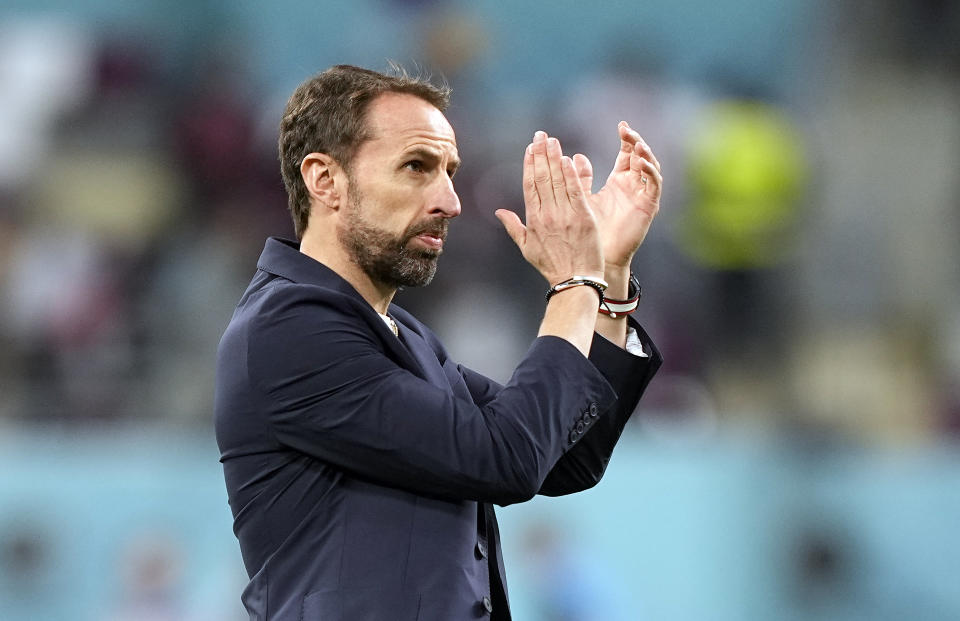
point(425, 357)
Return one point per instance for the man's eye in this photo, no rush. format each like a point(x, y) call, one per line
point(415, 165)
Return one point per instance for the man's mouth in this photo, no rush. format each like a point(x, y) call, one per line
point(431, 240)
point(432, 237)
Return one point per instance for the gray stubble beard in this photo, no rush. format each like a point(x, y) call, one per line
point(383, 257)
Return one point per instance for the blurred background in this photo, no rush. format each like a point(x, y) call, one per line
point(796, 458)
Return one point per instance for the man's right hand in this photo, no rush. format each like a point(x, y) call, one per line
point(560, 238)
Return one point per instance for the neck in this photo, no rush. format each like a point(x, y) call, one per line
point(332, 254)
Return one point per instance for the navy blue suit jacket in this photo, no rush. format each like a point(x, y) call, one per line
point(361, 468)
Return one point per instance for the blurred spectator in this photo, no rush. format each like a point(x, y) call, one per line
point(745, 171)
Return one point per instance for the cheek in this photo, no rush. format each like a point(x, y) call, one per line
point(401, 210)
point(393, 205)
point(393, 220)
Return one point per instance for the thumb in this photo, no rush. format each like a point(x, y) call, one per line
point(515, 229)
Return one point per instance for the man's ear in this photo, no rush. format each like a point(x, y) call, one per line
point(319, 173)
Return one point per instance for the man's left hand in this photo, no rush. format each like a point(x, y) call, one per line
point(626, 205)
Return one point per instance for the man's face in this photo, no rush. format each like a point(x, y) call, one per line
point(400, 193)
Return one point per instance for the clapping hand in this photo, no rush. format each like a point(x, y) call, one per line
point(626, 205)
point(560, 238)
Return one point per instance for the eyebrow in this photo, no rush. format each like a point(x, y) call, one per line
point(430, 155)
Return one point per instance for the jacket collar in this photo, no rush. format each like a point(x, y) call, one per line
point(282, 257)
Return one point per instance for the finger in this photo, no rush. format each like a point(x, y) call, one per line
point(573, 188)
point(641, 146)
point(655, 177)
point(584, 171)
point(636, 160)
point(515, 229)
point(541, 172)
point(557, 183)
point(642, 153)
point(627, 140)
point(531, 198)
point(651, 181)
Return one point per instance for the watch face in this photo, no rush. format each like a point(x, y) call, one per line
point(634, 290)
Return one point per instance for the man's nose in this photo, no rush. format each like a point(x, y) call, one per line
point(445, 202)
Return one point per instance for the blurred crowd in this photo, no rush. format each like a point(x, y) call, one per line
point(133, 203)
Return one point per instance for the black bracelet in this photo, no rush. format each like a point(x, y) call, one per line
point(598, 285)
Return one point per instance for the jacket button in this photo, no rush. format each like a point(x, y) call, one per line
point(574, 436)
point(487, 604)
point(580, 427)
point(594, 410)
point(481, 549)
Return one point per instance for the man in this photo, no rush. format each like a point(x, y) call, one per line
point(361, 462)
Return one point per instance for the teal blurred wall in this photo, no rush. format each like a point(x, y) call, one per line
point(737, 528)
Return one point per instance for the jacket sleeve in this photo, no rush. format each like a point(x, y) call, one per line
point(582, 466)
point(330, 391)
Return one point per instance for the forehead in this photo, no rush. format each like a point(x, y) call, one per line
point(398, 120)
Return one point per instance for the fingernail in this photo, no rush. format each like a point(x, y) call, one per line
point(529, 149)
point(539, 136)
